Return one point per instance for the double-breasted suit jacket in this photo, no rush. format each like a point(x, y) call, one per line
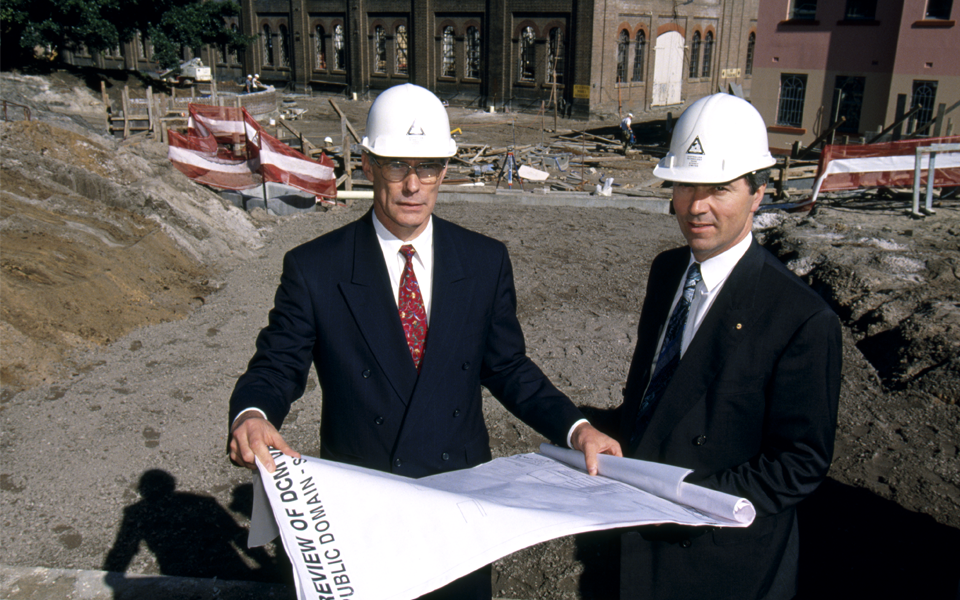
point(335, 307)
point(752, 409)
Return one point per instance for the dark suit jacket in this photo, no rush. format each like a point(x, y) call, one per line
point(335, 307)
point(752, 409)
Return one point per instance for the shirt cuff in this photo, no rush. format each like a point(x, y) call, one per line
point(572, 429)
point(264, 415)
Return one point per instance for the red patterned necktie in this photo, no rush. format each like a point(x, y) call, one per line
point(413, 314)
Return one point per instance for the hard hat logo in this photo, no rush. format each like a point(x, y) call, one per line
point(415, 129)
point(696, 147)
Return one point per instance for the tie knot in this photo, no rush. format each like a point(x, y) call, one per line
point(408, 251)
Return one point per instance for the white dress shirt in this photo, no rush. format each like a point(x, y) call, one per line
point(714, 272)
point(422, 260)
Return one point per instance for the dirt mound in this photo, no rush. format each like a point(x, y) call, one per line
point(99, 236)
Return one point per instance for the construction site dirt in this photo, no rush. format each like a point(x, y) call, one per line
point(131, 299)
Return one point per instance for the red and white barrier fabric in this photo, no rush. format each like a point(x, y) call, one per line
point(227, 149)
point(891, 164)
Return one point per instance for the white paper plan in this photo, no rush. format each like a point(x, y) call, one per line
point(357, 533)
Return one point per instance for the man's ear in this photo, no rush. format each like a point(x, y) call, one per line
point(367, 167)
point(758, 198)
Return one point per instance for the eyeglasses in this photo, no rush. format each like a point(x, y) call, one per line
point(398, 170)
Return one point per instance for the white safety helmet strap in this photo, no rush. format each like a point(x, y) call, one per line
point(719, 138)
point(408, 121)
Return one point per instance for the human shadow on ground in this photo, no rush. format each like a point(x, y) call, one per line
point(191, 536)
point(853, 544)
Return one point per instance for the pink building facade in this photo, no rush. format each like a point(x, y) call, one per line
point(817, 60)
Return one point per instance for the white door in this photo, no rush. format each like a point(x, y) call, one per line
point(668, 69)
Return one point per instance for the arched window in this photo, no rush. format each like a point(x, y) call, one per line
point(473, 53)
point(284, 47)
point(623, 43)
point(402, 66)
point(339, 49)
point(448, 56)
point(555, 59)
point(751, 44)
point(379, 50)
point(793, 90)
point(851, 102)
point(707, 54)
point(924, 95)
point(319, 52)
point(528, 65)
point(267, 46)
point(639, 47)
point(694, 56)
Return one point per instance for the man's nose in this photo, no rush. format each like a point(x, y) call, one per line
point(411, 183)
point(701, 195)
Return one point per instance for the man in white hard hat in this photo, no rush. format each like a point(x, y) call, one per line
point(405, 317)
point(735, 375)
point(626, 130)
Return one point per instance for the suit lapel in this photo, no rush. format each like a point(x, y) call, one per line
point(720, 333)
point(369, 296)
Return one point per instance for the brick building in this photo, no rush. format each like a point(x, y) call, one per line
point(817, 61)
point(595, 55)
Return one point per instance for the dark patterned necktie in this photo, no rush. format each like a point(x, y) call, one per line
point(413, 314)
point(669, 356)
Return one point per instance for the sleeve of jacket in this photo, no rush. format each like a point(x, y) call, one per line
point(277, 374)
point(515, 380)
point(801, 418)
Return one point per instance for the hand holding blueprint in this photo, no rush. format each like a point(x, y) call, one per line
point(354, 532)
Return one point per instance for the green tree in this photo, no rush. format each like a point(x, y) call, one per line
point(98, 25)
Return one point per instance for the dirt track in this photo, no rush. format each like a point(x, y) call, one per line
point(89, 447)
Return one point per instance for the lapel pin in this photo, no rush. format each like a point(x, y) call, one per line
point(739, 326)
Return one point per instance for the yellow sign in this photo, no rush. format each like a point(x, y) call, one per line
point(581, 91)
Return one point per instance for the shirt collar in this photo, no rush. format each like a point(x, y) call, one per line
point(715, 270)
point(422, 243)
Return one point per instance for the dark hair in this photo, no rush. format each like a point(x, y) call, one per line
point(756, 179)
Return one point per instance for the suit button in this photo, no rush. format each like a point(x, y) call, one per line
point(456, 412)
point(397, 463)
point(445, 456)
point(378, 420)
point(465, 366)
point(366, 373)
point(699, 440)
point(685, 544)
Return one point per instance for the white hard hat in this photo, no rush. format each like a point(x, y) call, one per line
point(717, 139)
point(630, 115)
point(408, 121)
point(249, 76)
point(328, 140)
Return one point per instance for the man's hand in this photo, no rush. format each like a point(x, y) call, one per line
point(250, 437)
point(587, 439)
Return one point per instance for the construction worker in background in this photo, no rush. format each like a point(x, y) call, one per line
point(249, 83)
point(736, 373)
point(405, 316)
point(256, 82)
point(626, 130)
